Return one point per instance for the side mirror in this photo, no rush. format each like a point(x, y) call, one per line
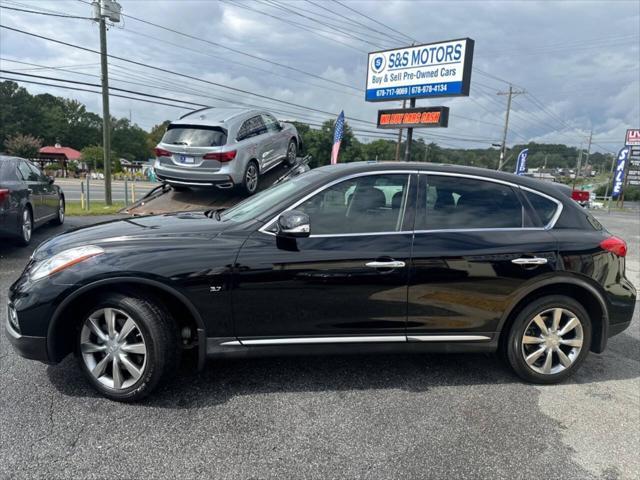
point(293, 224)
point(51, 180)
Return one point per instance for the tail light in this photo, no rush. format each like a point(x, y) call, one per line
point(221, 156)
point(614, 245)
point(160, 152)
point(4, 194)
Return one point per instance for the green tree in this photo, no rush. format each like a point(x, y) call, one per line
point(93, 156)
point(25, 146)
point(155, 135)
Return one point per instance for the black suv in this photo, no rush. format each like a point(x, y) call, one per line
point(360, 257)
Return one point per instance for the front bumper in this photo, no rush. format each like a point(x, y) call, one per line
point(33, 348)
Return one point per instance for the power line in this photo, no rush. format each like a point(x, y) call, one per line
point(44, 13)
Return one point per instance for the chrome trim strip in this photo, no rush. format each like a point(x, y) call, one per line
point(323, 340)
point(530, 261)
point(390, 264)
point(232, 343)
point(447, 338)
point(263, 229)
point(459, 230)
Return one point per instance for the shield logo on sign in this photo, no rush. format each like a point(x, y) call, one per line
point(378, 63)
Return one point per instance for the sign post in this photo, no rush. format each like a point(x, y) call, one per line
point(440, 69)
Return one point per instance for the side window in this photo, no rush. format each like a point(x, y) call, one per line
point(370, 204)
point(26, 173)
point(544, 207)
point(271, 123)
point(252, 127)
point(466, 203)
point(39, 176)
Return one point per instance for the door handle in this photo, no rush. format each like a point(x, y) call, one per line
point(530, 261)
point(387, 264)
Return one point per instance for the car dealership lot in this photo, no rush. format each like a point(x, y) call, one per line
point(366, 416)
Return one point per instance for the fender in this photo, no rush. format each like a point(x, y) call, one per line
point(565, 278)
point(201, 332)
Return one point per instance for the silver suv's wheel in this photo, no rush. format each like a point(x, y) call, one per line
point(292, 153)
point(251, 175)
point(549, 339)
point(126, 345)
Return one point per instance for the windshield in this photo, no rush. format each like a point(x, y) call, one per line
point(195, 136)
point(255, 206)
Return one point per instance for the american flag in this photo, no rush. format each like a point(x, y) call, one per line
point(337, 138)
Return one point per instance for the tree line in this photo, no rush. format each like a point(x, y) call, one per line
point(29, 121)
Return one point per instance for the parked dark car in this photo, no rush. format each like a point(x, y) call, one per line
point(28, 199)
point(360, 257)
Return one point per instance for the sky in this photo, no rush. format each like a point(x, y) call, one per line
point(577, 62)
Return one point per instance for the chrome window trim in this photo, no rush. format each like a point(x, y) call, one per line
point(268, 224)
point(549, 225)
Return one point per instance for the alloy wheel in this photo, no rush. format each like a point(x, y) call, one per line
point(552, 341)
point(27, 225)
point(251, 178)
point(291, 153)
point(61, 211)
point(113, 348)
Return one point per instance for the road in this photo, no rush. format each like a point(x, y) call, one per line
point(385, 416)
point(72, 188)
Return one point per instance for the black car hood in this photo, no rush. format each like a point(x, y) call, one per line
point(184, 226)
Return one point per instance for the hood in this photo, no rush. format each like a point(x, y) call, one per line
point(169, 227)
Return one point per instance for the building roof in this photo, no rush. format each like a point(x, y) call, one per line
point(68, 152)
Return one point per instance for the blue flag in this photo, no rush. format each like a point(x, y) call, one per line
point(618, 173)
point(521, 164)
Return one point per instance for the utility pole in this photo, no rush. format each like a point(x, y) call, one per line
point(586, 163)
point(575, 176)
point(103, 9)
point(404, 104)
point(407, 147)
point(503, 148)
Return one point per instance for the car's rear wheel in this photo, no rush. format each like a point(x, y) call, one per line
point(250, 178)
point(25, 227)
point(549, 339)
point(59, 220)
point(126, 346)
point(292, 153)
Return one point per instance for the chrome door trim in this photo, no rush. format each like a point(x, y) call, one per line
point(319, 340)
point(447, 338)
point(389, 264)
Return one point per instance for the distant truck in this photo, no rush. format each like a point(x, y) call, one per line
point(583, 197)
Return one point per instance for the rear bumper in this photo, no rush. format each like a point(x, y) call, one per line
point(195, 176)
point(33, 348)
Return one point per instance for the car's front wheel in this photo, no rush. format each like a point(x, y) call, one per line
point(126, 346)
point(292, 153)
point(549, 339)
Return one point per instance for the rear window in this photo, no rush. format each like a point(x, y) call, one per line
point(544, 207)
point(195, 136)
point(8, 170)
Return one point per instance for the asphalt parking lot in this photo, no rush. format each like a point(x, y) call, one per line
point(422, 416)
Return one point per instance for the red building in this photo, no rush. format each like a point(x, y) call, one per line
point(60, 155)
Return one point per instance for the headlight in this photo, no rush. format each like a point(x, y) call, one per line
point(64, 260)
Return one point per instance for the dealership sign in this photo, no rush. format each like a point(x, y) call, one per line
point(433, 70)
point(414, 117)
point(632, 137)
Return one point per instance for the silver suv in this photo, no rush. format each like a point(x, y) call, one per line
point(224, 147)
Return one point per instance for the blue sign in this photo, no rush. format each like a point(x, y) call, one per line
point(521, 164)
point(434, 70)
point(618, 174)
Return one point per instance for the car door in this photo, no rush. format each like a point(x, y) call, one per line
point(49, 196)
point(346, 282)
point(475, 245)
point(280, 139)
point(34, 188)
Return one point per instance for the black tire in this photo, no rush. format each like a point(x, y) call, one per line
point(250, 178)
point(515, 351)
point(292, 153)
point(159, 334)
point(59, 220)
point(24, 238)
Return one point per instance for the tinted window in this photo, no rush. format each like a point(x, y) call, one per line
point(544, 207)
point(361, 205)
point(27, 173)
point(39, 176)
point(271, 123)
point(195, 136)
point(463, 203)
point(8, 170)
point(251, 128)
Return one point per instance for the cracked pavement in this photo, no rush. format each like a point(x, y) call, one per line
point(400, 416)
